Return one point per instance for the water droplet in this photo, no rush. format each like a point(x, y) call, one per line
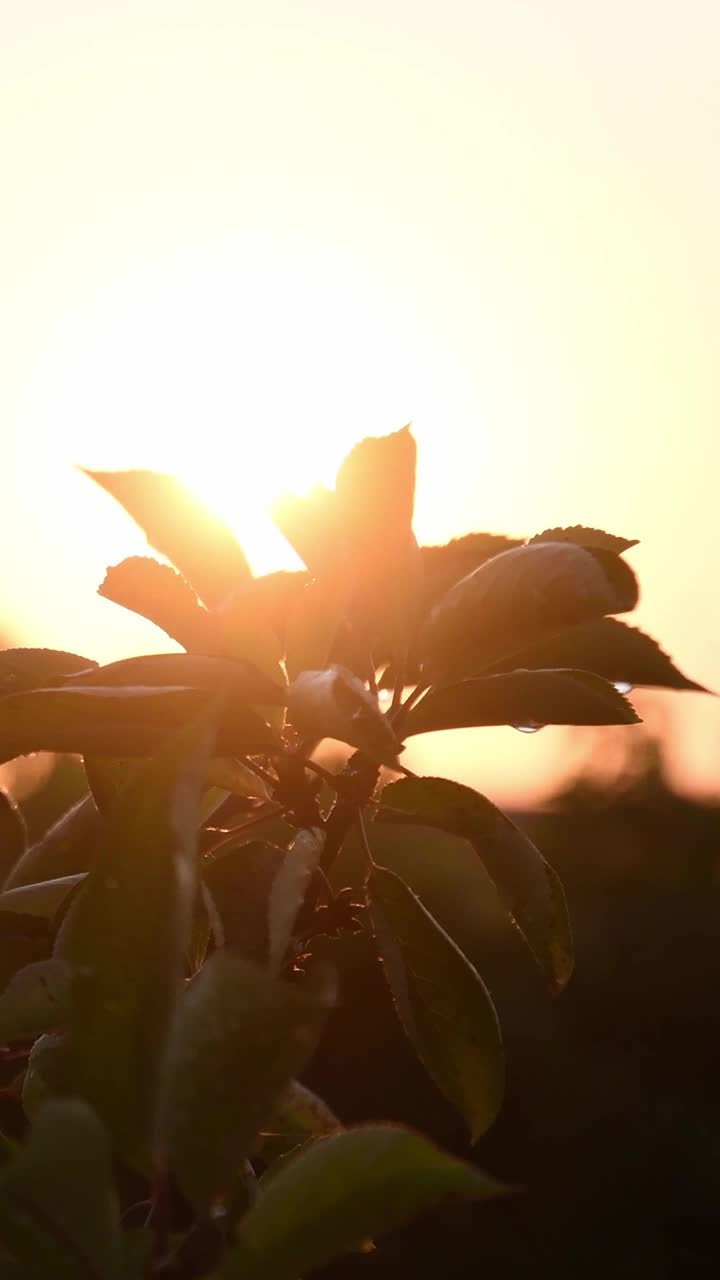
point(385, 698)
point(531, 727)
point(623, 686)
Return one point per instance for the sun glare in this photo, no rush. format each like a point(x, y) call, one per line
point(237, 372)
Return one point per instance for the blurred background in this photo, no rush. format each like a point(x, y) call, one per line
point(237, 238)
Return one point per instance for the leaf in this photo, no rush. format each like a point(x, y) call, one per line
point(335, 704)
point(125, 937)
point(612, 649)
point(65, 848)
point(520, 698)
point(240, 884)
point(312, 625)
point(441, 1000)
point(13, 834)
point(117, 720)
point(42, 899)
point(297, 1116)
point(311, 526)
point(584, 537)
point(517, 598)
point(340, 1192)
point(46, 1074)
point(178, 525)
point(239, 1037)
point(528, 887)
point(190, 670)
point(57, 1208)
point(289, 888)
point(160, 594)
point(36, 999)
point(30, 668)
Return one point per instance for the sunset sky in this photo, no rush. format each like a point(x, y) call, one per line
point(238, 237)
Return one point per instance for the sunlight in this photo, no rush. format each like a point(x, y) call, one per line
point(236, 369)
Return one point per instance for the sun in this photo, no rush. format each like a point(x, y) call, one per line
point(247, 370)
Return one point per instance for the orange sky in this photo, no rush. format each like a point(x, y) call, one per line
point(236, 238)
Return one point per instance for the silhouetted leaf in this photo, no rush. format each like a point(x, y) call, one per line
point(160, 594)
point(528, 887)
point(311, 526)
point(125, 937)
point(337, 1194)
point(239, 1037)
point(118, 720)
point(335, 704)
point(46, 1075)
point(288, 891)
point(42, 899)
point(31, 668)
point(584, 537)
point(531, 698)
point(190, 670)
point(64, 849)
point(178, 525)
point(517, 598)
point(442, 1001)
point(58, 1215)
point(36, 999)
point(298, 1115)
point(612, 649)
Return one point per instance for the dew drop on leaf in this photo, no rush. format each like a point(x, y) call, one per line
point(531, 727)
point(623, 686)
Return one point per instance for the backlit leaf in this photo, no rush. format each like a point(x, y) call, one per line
point(239, 1037)
point(611, 648)
point(298, 1115)
point(178, 525)
point(519, 597)
point(442, 1002)
point(41, 899)
point(527, 885)
point(334, 703)
point(520, 698)
point(32, 668)
point(585, 537)
point(341, 1192)
point(64, 849)
point(160, 594)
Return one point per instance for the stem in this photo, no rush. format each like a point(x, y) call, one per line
point(230, 837)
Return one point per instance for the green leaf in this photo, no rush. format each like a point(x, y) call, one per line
point(289, 888)
point(58, 1215)
point(622, 654)
point(239, 1037)
point(298, 1115)
point(341, 1192)
point(528, 887)
point(335, 704)
point(517, 598)
point(36, 999)
point(125, 937)
point(160, 594)
point(520, 698)
point(41, 899)
point(30, 668)
point(585, 537)
point(443, 1003)
point(118, 720)
point(180, 527)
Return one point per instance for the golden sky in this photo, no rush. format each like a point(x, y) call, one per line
point(238, 237)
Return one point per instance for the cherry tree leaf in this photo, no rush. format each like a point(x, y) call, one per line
point(178, 525)
point(335, 704)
